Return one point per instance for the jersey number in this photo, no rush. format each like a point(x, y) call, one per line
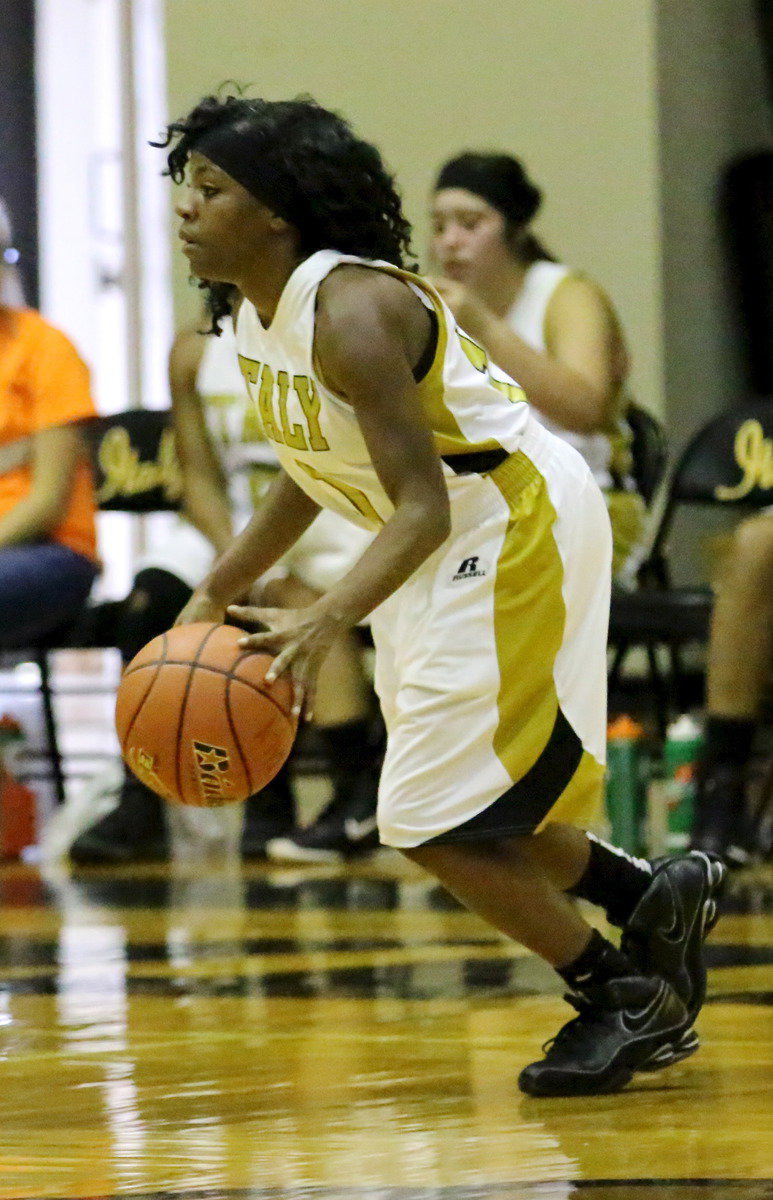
point(479, 359)
point(355, 497)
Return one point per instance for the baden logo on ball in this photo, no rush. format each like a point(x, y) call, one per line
point(212, 765)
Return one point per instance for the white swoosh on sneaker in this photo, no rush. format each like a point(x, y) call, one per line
point(634, 1020)
point(678, 928)
point(357, 830)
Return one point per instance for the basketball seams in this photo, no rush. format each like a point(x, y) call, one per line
point(191, 664)
point(234, 734)
point(167, 708)
point(230, 674)
point(158, 664)
point(255, 687)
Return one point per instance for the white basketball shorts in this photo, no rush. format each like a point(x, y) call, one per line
point(491, 658)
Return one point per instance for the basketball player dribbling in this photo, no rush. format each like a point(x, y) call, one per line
point(488, 579)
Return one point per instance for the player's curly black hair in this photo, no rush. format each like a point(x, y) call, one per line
point(309, 165)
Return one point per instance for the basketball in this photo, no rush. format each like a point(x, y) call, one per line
point(197, 721)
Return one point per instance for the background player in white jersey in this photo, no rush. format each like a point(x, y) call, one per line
point(227, 466)
point(487, 581)
point(552, 328)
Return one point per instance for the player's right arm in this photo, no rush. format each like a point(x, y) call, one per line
point(205, 494)
point(370, 332)
point(285, 513)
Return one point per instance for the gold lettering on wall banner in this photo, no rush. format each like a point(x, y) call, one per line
point(125, 474)
point(754, 455)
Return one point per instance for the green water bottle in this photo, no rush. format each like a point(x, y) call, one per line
point(684, 739)
point(624, 786)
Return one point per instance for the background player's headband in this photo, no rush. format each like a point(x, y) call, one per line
point(498, 179)
point(241, 153)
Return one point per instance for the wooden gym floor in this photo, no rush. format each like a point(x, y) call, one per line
point(250, 1033)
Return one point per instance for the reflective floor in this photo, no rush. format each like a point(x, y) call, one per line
point(201, 1032)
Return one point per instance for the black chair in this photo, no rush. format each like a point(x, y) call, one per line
point(134, 461)
point(728, 464)
point(649, 451)
point(135, 471)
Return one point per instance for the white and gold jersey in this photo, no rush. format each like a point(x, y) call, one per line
point(491, 658)
point(470, 405)
point(606, 451)
point(247, 459)
point(249, 464)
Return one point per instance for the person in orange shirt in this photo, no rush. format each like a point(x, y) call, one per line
point(48, 556)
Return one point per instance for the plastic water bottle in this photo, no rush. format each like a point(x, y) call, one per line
point(684, 739)
point(18, 803)
point(625, 785)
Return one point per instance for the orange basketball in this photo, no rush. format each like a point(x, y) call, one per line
point(196, 719)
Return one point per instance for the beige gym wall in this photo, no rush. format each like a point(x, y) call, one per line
point(567, 85)
point(713, 100)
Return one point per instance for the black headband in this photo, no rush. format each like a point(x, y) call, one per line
point(241, 153)
point(498, 179)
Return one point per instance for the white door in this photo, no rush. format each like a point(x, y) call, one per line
point(104, 228)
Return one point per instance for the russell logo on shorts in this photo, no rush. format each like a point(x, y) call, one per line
point(468, 569)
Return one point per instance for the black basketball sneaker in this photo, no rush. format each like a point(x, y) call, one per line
point(134, 831)
point(665, 933)
point(626, 1025)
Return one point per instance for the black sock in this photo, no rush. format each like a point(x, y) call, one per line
point(728, 742)
point(276, 801)
point(352, 763)
point(599, 962)
point(613, 880)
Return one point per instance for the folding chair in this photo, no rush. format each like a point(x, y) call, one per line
point(136, 471)
point(648, 449)
point(727, 464)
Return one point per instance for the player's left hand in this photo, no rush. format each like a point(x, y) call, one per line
point(299, 639)
point(470, 312)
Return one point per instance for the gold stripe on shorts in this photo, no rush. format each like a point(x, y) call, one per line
point(529, 617)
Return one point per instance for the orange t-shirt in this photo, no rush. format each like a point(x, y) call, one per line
point(44, 383)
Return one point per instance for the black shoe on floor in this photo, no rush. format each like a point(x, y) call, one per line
point(346, 828)
point(264, 820)
point(665, 933)
point(722, 825)
point(134, 831)
point(324, 842)
point(625, 1025)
